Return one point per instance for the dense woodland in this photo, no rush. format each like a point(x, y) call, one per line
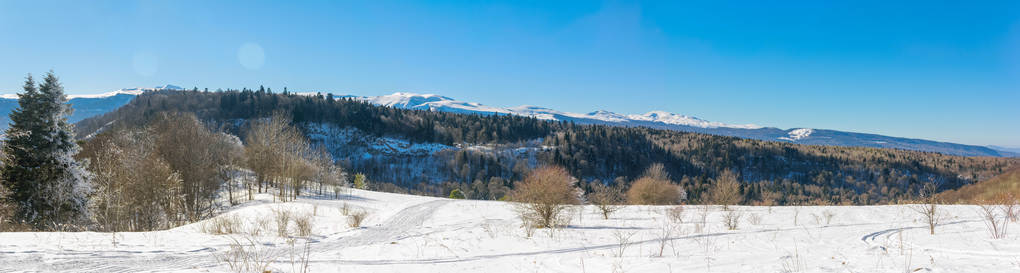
point(769, 172)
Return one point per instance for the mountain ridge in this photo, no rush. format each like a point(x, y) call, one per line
point(96, 104)
point(672, 121)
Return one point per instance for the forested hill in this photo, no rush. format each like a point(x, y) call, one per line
point(432, 152)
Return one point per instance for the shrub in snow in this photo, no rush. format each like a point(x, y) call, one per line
point(544, 195)
point(304, 225)
point(929, 207)
point(456, 194)
point(996, 214)
point(732, 218)
point(606, 198)
point(360, 181)
point(654, 188)
point(725, 190)
point(356, 218)
point(224, 224)
point(282, 221)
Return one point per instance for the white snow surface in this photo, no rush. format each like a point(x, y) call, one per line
point(435, 102)
point(406, 233)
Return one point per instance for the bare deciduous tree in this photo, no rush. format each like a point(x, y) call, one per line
point(929, 206)
point(606, 198)
point(278, 154)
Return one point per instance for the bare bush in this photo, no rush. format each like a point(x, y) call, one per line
point(299, 257)
point(606, 198)
point(754, 219)
point(732, 218)
point(929, 208)
point(725, 190)
point(675, 214)
point(345, 209)
point(282, 222)
point(259, 225)
point(356, 217)
point(1011, 206)
point(828, 215)
point(665, 234)
point(654, 188)
point(703, 219)
point(622, 242)
point(224, 224)
point(544, 195)
point(247, 256)
point(793, 262)
point(995, 214)
point(304, 224)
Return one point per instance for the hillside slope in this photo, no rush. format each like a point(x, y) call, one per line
point(431, 152)
point(1005, 183)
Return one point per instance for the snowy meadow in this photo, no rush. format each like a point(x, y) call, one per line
point(405, 233)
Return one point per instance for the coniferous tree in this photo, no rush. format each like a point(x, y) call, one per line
point(48, 186)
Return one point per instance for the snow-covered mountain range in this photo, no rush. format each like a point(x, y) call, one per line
point(91, 105)
point(440, 103)
point(86, 105)
point(673, 121)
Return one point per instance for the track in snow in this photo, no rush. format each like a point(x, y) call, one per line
point(395, 228)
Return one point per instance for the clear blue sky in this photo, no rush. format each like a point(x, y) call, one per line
point(941, 70)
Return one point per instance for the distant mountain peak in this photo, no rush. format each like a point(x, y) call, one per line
point(673, 121)
point(168, 87)
point(441, 103)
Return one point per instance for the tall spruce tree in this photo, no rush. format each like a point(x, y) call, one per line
point(47, 185)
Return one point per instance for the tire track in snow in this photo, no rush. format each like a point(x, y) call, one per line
point(395, 228)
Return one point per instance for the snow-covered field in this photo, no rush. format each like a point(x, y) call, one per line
point(421, 234)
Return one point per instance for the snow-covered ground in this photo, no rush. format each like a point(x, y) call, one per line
point(406, 233)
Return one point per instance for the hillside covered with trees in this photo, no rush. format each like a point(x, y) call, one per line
point(770, 172)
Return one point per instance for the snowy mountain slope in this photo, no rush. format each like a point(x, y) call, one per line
point(672, 121)
point(84, 106)
point(441, 103)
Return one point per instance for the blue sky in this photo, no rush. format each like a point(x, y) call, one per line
point(941, 70)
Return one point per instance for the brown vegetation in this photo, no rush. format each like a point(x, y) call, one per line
point(654, 188)
point(606, 198)
point(725, 190)
point(544, 195)
point(1007, 182)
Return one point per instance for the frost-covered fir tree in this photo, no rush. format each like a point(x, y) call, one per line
point(47, 185)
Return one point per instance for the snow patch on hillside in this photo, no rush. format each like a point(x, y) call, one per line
point(333, 138)
point(798, 134)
